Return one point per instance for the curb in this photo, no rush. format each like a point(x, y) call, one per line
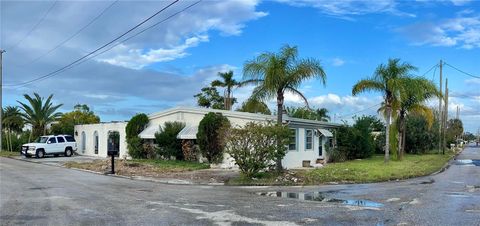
point(139, 178)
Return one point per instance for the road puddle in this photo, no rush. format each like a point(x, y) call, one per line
point(320, 197)
point(468, 162)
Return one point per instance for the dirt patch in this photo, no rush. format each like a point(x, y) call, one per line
point(133, 169)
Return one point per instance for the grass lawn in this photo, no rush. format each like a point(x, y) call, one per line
point(9, 153)
point(374, 170)
point(354, 171)
point(174, 165)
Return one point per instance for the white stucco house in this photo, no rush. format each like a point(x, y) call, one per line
point(307, 144)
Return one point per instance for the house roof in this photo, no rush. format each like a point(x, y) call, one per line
point(325, 132)
point(149, 132)
point(245, 115)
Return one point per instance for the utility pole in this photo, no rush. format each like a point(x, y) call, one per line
point(445, 115)
point(440, 116)
point(458, 112)
point(1, 97)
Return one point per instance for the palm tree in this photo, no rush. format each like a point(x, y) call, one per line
point(277, 73)
point(387, 79)
point(39, 113)
point(320, 114)
point(228, 83)
point(415, 92)
point(12, 122)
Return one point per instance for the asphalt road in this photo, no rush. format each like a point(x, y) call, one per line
point(38, 194)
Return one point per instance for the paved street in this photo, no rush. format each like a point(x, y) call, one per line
point(38, 194)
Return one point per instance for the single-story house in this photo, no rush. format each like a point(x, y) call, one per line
point(307, 146)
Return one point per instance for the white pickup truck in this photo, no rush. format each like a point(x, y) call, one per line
point(50, 145)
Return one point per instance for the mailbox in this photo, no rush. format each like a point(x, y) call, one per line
point(112, 152)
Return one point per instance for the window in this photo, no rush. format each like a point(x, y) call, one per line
point(70, 139)
point(60, 140)
point(292, 146)
point(308, 139)
point(52, 140)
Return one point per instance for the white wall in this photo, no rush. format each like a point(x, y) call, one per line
point(294, 159)
point(102, 130)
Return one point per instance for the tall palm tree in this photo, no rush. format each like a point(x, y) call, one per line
point(228, 83)
point(277, 73)
point(387, 79)
point(254, 106)
point(415, 92)
point(39, 113)
point(12, 122)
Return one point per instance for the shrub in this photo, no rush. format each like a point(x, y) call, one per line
point(255, 147)
point(134, 127)
point(168, 144)
point(210, 136)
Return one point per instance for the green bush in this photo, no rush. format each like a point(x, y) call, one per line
point(419, 137)
point(134, 127)
point(168, 144)
point(255, 147)
point(18, 139)
point(210, 136)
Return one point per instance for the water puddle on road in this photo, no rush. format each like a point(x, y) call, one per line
point(468, 162)
point(320, 197)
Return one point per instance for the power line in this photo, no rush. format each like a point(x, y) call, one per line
point(434, 71)
point(461, 71)
point(73, 35)
point(94, 51)
point(35, 26)
point(434, 66)
point(354, 113)
point(140, 32)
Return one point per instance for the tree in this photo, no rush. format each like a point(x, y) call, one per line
point(387, 79)
point(277, 73)
point(413, 97)
point(210, 136)
point(81, 114)
point(454, 130)
point(210, 98)
point(134, 127)
point(12, 121)
point(166, 138)
point(39, 112)
point(320, 114)
point(255, 146)
point(419, 136)
point(254, 106)
point(228, 83)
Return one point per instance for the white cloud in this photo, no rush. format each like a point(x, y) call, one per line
point(125, 56)
point(337, 62)
point(462, 31)
point(347, 8)
point(460, 2)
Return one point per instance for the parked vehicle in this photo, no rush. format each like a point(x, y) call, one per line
point(50, 145)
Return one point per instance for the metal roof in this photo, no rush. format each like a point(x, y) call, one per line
point(325, 132)
point(149, 132)
point(189, 132)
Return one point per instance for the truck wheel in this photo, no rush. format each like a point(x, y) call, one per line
point(68, 152)
point(40, 153)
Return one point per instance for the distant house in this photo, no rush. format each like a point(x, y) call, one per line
point(307, 146)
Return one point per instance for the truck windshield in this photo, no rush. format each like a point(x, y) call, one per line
point(41, 140)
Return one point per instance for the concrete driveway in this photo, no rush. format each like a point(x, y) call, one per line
point(58, 161)
point(44, 195)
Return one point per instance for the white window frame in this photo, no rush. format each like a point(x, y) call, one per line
point(296, 140)
point(306, 137)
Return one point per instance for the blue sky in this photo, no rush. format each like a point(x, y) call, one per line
point(165, 66)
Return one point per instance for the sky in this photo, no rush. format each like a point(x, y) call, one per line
point(166, 65)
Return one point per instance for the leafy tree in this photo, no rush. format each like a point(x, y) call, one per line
point(454, 131)
point(228, 83)
point(255, 146)
point(254, 106)
point(419, 136)
point(134, 127)
point(81, 114)
point(210, 98)
point(277, 73)
point(387, 79)
point(166, 138)
point(320, 114)
point(39, 112)
point(210, 136)
point(12, 122)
